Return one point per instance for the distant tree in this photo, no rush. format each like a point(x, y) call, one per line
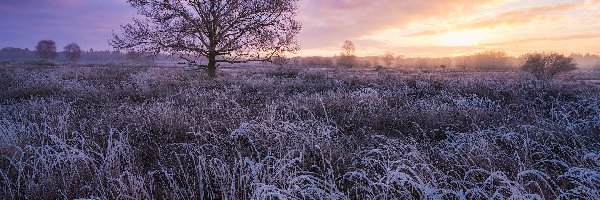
point(388, 58)
point(73, 52)
point(12, 53)
point(280, 60)
point(464, 62)
point(139, 57)
point(348, 49)
point(589, 61)
point(347, 56)
point(422, 63)
point(548, 66)
point(220, 30)
point(400, 60)
point(490, 60)
point(134, 55)
point(316, 61)
point(46, 49)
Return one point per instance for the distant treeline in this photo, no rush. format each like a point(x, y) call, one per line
point(90, 56)
point(489, 60)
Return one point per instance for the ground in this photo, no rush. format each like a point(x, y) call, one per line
point(117, 132)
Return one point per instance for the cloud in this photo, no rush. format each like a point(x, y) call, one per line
point(521, 16)
point(328, 22)
point(510, 18)
point(593, 2)
point(580, 36)
point(90, 22)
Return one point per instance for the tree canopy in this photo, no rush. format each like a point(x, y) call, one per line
point(46, 49)
point(232, 31)
point(73, 52)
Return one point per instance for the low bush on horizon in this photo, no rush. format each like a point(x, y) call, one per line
point(548, 66)
point(172, 133)
point(40, 63)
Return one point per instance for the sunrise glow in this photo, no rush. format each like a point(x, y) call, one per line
point(435, 28)
point(462, 38)
point(442, 28)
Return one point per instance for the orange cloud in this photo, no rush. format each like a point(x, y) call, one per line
point(382, 25)
point(329, 22)
point(521, 16)
point(511, 18)
point(593, 1)
point(551, 38)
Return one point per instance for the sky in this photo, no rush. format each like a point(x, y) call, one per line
point(412, 28)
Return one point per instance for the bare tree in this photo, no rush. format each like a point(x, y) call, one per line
point(388, 58)
point(546, 67)
point(73, 52)
point(348, 49)
point(347, 56)
point(46, 49)
point(229, 31)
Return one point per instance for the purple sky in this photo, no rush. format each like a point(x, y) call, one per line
point(87, 22)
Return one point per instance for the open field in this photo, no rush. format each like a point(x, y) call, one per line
point(316, 133)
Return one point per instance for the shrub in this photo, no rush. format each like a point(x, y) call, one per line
point(280, 60)
point(546, 67)
point(315, 61)
point(347, 61)
point(40, 63)
point(283, 73)
point(140, 57)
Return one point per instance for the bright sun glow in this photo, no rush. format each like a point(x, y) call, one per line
point(463, 38)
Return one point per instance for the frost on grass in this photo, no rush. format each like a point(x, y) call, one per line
point(164, 133)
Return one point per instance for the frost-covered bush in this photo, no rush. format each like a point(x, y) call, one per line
point(168, 133)
point(548, 66)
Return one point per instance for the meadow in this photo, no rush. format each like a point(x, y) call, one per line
point(113, 132)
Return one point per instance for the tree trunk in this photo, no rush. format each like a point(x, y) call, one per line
point(212, 65)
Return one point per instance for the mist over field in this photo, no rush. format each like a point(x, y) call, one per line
point(299, 99)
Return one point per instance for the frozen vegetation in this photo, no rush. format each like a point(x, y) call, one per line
point(107, 132)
